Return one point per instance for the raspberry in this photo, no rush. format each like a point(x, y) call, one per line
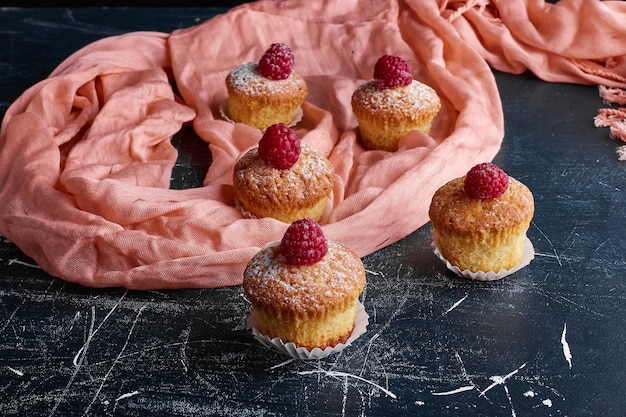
point(276, 62)
point(485, 181)
point(391, 72)
point(280, 146)
point(303, 243)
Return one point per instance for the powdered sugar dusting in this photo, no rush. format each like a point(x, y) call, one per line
point(407, 100)
point(269, 279)
point(248, 80)
point(311, 178)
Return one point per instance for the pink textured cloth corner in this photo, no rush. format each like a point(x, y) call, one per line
point(613, 118)
point(86, 158)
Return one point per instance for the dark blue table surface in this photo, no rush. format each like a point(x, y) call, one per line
point(436, 344)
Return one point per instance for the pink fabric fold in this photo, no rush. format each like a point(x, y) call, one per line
point(613, 117)
point(86, 158)
point(578, 41)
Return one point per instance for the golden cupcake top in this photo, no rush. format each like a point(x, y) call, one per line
point(304, 274)
point(310, 178)
point(337, 278)
point(416, 101)
point(272, 75)
point(247, 80)
point(394, 94)
point(452, 207)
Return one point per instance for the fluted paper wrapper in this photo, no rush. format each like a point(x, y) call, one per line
point(527, 256)
point(360, 326)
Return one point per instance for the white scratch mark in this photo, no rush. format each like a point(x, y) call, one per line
point(183, 348)
point(546, 255)
point(92, 333)
point(76, 317)
point(242, 295)
point(18, 262)
point(127, 395)
point(119, 355)
point(380, 274)
point(566, 301)
point(600, 245)
point(16, 372)
point(508, 395)
point(463, 370)
point(604, 243)
point(455, 305)
point(344, 401)
point(500, 380)
point(80, 355)
point(145, 350)
point(367, 354)
point(77, 361)
point(547, 403)
point(338, 374)
point(454, 391)
point(608, 186)
point(566, 350)
point(11, 316)
point(287, 362)
point(556, 255)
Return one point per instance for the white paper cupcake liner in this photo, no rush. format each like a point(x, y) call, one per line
point(360, 326)
point(224, 113)
point(527, 256)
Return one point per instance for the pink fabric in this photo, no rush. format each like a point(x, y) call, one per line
point(85, 156)
point(613, 118)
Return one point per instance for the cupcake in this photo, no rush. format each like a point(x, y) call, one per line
point(282, 178)
point(304, 289)
point(265, 93)
point(393, 104)
point(480, 220)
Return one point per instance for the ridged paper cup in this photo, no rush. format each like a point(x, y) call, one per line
point(290, 349)
point(527, 256)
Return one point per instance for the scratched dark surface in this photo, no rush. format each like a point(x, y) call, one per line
point(437, 345)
